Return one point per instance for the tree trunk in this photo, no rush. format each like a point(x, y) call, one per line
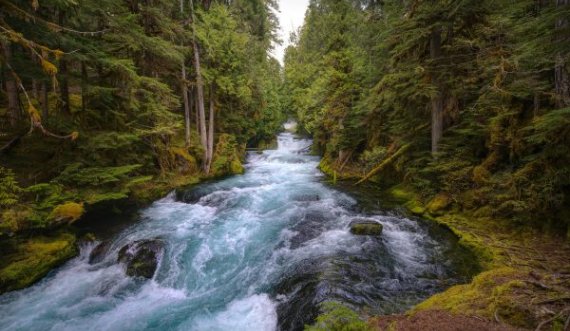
point(84, 82)
point(11, 89)
point(199, 92)
point(437, 100)
point(63, 77)
point(561, 75)
point(186, 106)
point(211, 130)
point(64, 87)
point(35, 89)
point(44, 101)
point(196, 112)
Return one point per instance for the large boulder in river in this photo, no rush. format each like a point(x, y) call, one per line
point(364, 227)
point(141, 257)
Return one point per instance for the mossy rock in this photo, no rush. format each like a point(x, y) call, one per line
point(439, 204)
point(236, 167)
point(141, 257)
point(227, 157)
point(68, 212)
point(366, 228)
point(336, 317)
point(32, 259)
point(491, 294)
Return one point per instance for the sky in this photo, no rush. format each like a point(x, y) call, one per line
point(291, 15)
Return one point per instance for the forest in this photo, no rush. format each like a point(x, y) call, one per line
point(464, 100)
point(459, 110)
point(105, 100)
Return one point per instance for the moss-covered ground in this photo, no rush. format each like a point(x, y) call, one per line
point(524, 284)
point(526, 277)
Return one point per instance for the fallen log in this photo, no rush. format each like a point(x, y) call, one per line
point(384, 163)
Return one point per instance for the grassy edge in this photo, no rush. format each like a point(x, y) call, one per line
point(510, 289)
point(33, 258)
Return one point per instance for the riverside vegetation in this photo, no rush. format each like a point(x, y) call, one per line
point(108, 103)
point(460, 110)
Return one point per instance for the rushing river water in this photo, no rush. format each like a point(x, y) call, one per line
point(252, 252)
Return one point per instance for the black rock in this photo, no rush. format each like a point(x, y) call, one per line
point(99, 252)
point(141, 257)
point(364, 227)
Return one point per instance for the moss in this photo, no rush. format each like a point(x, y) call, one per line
point(187, 163)
point(68, 212)
point(15, 219)
point(409, 199)
point(33, 258)
point(337, 317)
point(491, 294)
point(149, 191)
point(236, 167)
point(370, 229)
point(328, 168)
point(227, 160)
point(481, 175)
point(439, 204)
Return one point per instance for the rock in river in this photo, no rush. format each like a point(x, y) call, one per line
point(99, 252)
point(141, 257)
point(364, 227)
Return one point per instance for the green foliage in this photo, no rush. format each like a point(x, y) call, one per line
point(336, 317)
point(226, 158)
point(9, 189)
point(76, 174)
point(363, 79)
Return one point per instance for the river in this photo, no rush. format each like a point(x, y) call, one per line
point(257, 251)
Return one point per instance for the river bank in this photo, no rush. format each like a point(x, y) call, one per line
point(525, 278)
point(29, 256)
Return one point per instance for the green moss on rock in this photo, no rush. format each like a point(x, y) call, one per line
point(33, 258)
point(366, 229)
point(491, 294)
point(337, 317)
point(439, 204)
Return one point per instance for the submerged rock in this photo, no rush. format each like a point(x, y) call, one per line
point(141, 257)
point(99, 252)
point(366, 228)
point(306, 197)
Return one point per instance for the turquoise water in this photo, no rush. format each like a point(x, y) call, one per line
point(251, 252)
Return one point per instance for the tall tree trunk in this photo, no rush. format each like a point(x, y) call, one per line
point(561, 75)
point(64, 87)
point(11, 89)
point(186, 106)
point(44, 101)
point(196, 112)
point(437, 100)
point(211, 129)
point(84, 84)
point(63, 77)
point(199, 91)
point(35, 89)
